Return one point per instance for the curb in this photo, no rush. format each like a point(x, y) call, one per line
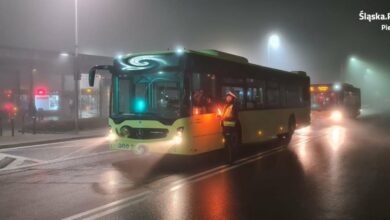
point(5, 146)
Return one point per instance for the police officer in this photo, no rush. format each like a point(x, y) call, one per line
point(230, 126)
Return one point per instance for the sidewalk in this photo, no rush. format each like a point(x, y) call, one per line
point(7, 141)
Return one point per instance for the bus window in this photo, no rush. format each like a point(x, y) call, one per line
point(230, 80)
point(124, 86)
point(250, 100)
point(167, 96)
point(282, 94)
point(203, 94)
point(273, 96)
point(255, 93)
point(293, 95)
point(148, 94)
point(350, 99)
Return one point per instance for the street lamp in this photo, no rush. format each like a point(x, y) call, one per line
point(273, 43)
point(76, 68)
point(64, 54)
point(179, 50)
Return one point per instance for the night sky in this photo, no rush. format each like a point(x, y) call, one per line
point(316, 36)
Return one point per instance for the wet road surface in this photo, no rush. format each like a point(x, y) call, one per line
point(329, 171)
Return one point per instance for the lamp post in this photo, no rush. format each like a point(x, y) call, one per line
point(76, 69)
point(273, 43)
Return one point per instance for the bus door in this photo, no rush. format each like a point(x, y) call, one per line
point(205, 121)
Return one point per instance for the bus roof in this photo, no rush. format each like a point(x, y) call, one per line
point(335, 83)
point(211, 53)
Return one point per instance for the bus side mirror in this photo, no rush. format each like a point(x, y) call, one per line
point(92, 72)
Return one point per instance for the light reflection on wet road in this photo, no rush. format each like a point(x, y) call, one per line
point(329, 171)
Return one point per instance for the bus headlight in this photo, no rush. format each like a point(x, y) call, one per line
point(336, 116)
point(178, 138)
point(124, 131)
point(111, 136)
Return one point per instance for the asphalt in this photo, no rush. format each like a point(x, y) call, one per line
point(329, 171)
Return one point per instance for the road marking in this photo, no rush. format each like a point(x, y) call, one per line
point(78, 150)
point(15, 163)
point(52, 143)
point(104, 208)
point(228, 168)
point(21, 158)
point(20, 168)
point(117, 205)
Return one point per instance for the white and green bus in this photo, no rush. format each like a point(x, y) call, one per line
point(170, 102)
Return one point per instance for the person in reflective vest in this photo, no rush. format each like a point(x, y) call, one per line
point(230, 113)
point(230, 126)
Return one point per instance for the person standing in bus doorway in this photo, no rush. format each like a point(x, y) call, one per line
point(230, 126)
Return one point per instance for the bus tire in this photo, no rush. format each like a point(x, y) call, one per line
point(285, 139)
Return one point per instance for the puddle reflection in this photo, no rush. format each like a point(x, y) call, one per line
point(336, 137)
point(301, 150)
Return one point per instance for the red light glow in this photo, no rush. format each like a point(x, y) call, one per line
point(8, 106)
point(219, 112)
point(40, 91)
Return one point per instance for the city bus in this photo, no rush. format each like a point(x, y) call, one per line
point(171, 101)
point(335, 101)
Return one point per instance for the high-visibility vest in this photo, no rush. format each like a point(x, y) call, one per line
point(228, 116)
point(228, 112)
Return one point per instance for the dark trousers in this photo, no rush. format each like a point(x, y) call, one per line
point(230, 135)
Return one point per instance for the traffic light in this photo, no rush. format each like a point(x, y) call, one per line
point(8, 107)
point(7, 93)
point(41, 91)
point(11, 109)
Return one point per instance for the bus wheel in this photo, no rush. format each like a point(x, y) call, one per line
point(286, 138)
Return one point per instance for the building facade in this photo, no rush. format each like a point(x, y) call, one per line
point(42, 83)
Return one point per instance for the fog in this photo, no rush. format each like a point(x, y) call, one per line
point(318, 38)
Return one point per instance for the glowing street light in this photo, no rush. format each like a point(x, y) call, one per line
point(64, 54)
point(273, 43)
point(179, 50)
point(337, 87)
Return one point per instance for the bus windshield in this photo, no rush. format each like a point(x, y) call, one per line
point(323, 100)
point(150, 94)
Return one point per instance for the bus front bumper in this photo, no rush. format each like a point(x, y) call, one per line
point(142, 147)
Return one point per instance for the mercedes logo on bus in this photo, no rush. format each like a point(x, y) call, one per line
point(139, 133)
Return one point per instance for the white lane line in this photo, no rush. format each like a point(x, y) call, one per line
point(114, 209)
point(130, 199)
point(45, 145)
point(15, 163)
point(21, 158)
point(53, 161)
point(76, 151)
point(117, 205)
point(247, 161)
